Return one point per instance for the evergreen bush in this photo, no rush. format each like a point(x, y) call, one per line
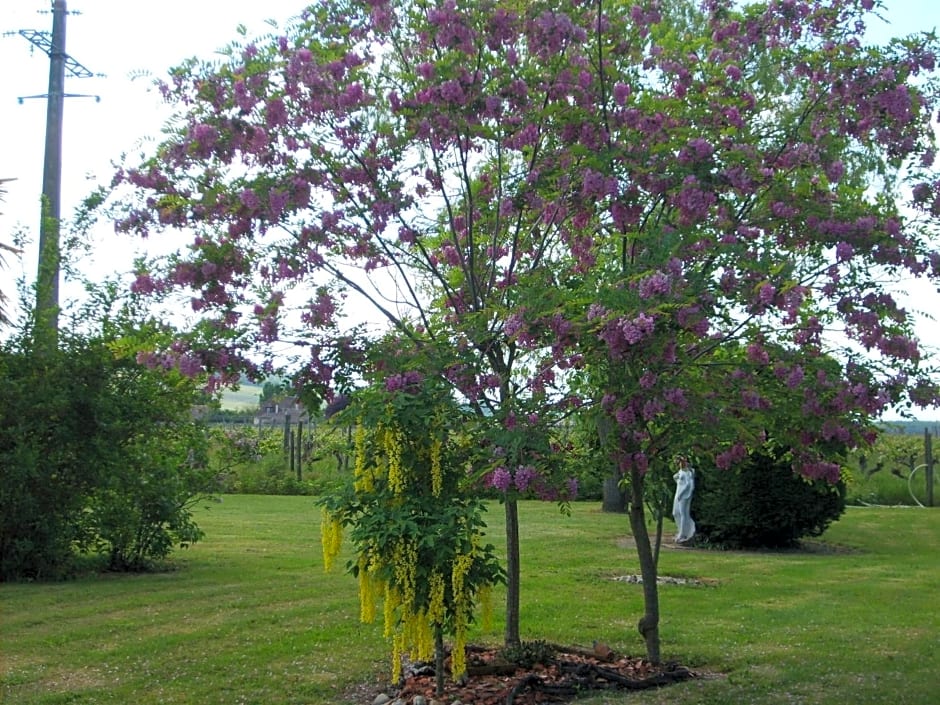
point(763, 503)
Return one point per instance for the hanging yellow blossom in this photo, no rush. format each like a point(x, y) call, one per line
point(462, 604)
point(436, 601)
point(437, 473)
point(398, 648)
point(367, 585)
point(421, 637)
point(391, 603)
point(359, 445)
point(331, 537)
point(405, 555)
point(393, 454)
point(458, 656)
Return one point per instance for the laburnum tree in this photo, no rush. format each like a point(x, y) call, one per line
point(418, 534)
point(684, 218)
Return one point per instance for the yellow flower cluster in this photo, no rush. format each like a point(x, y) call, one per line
point(437, 471)
point(362, 474)
point(409, 631)
point(359, 445)
point(405, 560)
point(410, 627)
point(462, 606)
point(392, 600)
point(331, 537)
point(436, 600)
point(393, 444)
point(370, 588)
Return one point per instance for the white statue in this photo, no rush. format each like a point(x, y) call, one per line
point(685, 484)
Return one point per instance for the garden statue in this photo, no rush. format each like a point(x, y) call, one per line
point(685, 484)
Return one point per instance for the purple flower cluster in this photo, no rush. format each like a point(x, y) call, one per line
point(406, 382)
point(623, 333)
point(527, 479)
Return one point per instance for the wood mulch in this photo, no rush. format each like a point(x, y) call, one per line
point(568, 672)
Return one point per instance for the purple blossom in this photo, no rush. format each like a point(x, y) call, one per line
point(701, 148)
point(795, 377)
point(596, 311)
point(844, 251)
point(205, 137)
point(654, 285)
point(835, 171)
point(144, 284)
point(766, 294)
point(275, 113)
point(426, 70)
point(694, 203)
point(757, 354)
point(513, 324)
point(676, 397)
point(621, 93)
point(189, 365)
point(897, 103)
point(267, 329)
point(525, 474)
point(500, 478)
point(249, 199)
point(405, 382)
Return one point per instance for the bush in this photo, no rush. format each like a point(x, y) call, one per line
point(762, 503)
point(98, 455)
point(47, 466)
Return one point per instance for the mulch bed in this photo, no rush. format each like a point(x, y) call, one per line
point(568, 672)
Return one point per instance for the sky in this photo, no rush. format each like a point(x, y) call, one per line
point(129, 44)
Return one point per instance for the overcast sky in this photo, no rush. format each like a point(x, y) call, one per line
point(130, 43)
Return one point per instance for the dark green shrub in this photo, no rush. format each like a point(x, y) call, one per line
point(762, 503)
point(47, 432)
point(98, 454)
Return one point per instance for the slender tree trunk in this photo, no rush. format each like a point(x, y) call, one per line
point(649, 622)
point(512, 573)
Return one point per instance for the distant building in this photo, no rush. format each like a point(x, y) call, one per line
point(276, 411)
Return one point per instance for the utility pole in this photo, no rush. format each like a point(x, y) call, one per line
point(47, 276)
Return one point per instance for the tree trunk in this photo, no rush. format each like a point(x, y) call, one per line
point(614, 498)
point(512, 573)
point(649, 623)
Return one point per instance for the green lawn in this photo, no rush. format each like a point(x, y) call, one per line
point(248, 616)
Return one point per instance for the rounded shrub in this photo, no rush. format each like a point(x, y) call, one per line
point(763, 503)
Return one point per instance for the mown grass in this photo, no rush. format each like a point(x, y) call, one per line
point(248, 615)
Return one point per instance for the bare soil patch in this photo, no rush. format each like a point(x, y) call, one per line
point(568, 672)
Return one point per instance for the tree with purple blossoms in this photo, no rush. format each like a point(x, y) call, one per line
point(746, 201)
point(688, 214)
